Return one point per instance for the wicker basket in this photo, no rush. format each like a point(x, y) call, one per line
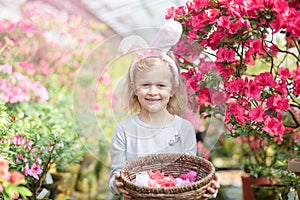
point(169, 164)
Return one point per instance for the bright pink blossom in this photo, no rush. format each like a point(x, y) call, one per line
point(256, 47)
point(237, 111)
point(34, 171)
point(225, 55)
point(195, 5)
point(204, 97)
point(257, 114)
point(213, 40)
point(253, 90)
point(223, 22)
point(170, 13)
point(265, 79)
point(273, 126)
point(210, 15)
point(278, 102)
point(236, 86)
point(284, 73)
point(296, 74)
point(19, 140)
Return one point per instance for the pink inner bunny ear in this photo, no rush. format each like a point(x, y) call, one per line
point(132, 43)
point(168, 35)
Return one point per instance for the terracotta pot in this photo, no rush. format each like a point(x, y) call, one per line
point(247, 181)
point(294, 165)
point(270, 192)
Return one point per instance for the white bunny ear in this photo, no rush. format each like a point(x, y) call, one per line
point(168, 35)
point(131, 43)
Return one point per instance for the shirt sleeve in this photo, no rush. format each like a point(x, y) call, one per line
point(118, 156)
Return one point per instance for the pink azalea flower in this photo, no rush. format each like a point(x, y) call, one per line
point(16, 177)
point(278, 102)
point(211, 14)
point(26, 169)
point(225, 55)
point(238, 112)
point(253, 90)
point(256, 47)
point(265, 79)
point(257, 114)
point(284, 73)
point(4, 169)
point(223, 22)
point(170, 13)
point(19, 140)
point(273, 126)
point(35, 171)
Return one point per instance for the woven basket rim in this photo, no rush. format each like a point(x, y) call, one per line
point(196, 184)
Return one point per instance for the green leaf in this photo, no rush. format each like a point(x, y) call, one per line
point(24, 192)
point(11, 190)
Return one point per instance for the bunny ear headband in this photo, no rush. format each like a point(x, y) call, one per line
point(168, 36)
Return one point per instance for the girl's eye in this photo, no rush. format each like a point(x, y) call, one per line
point(161, 85)
point(145, 85)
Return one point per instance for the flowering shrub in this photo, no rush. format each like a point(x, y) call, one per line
point(11, 183)
point(252, 78)
point(32, 148)
point(39, 57)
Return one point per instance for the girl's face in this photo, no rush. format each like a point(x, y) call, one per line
point(153, 88)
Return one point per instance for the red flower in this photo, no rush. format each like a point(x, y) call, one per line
point(257, 114)
point(225, 55)
point(278, 102)
point(16, 177)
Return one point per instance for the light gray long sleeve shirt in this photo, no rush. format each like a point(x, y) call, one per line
point(133, 138)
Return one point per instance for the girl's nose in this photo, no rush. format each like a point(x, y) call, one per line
point(152, 90)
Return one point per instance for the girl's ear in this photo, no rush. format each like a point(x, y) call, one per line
point(174, 90)
point(172, 93)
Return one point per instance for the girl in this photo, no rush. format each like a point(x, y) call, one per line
point(156, 96)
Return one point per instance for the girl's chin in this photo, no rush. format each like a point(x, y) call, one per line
point(155, 109)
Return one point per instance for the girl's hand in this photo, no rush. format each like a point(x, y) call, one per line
point(213, 188)
point(119, 184)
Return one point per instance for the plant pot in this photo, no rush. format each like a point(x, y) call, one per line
point(294, 166)
point(270, 192)
point(247, 181)
point(66, 180)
